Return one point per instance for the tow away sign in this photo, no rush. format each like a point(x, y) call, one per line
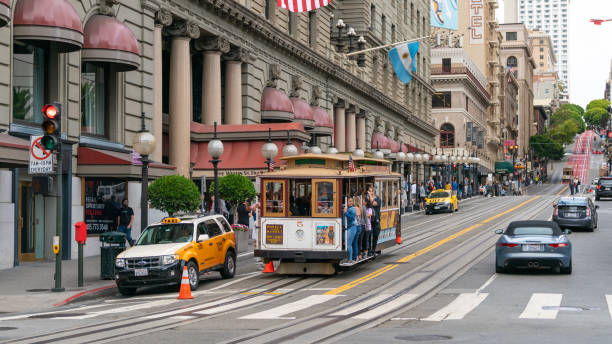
point(41, 160)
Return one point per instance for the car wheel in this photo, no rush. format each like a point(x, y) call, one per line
point(499, 269)
point(126, 291)
point(592, 228)
point(229, 266)
point(567, 270)
point(597, 198)
point(427, 212)
point(194, 275)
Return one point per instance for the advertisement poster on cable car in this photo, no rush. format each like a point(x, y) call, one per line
point(325, 234)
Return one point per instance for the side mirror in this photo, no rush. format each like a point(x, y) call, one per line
point(203, 237)
point(499, 231)
point(567, 232)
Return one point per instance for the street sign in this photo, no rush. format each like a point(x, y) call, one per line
point(41, 159)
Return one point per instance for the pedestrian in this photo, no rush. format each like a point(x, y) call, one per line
point(374, 203)
point(455, 187)
point(422, 195)
point(243, 211)
point(358, 228)
point(571, 186)
point(125, 221)
point(349, 214)
point(413, 193)
point(367, 232)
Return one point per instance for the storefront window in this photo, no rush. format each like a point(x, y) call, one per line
point(325, 201)
point(29, 72)
point(103, 197)
point(93, 118)
point(274, 198)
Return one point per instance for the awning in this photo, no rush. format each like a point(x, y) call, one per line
point(237, 156)
point(108, 41)
point(45, 22)
point(14, 152)
point(380, 141)
point(276, 106)
point(106, 163)
point(5, 12)
point(503, 167)
point(395, 146)
point(303, 113)
point(323, 122)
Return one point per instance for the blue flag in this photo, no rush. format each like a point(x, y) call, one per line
point(402, 59)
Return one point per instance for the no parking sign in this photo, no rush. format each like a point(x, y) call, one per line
point(41, 159)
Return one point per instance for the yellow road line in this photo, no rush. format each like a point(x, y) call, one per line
point(420, 252)
point(563, 190)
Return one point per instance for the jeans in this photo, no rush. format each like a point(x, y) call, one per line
point(356, 242)
point(128, 233)
point(352, 230)
point(375, 233)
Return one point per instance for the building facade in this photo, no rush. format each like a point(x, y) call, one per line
point(545, 78)
point(551, 17)
point(248, 66)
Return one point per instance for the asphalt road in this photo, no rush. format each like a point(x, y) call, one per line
point(438, 286)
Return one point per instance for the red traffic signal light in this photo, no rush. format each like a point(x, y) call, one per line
point(51, 125)
point(610, 134)
point(49, 111)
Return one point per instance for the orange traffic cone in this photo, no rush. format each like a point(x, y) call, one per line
point(398, 239)
point(269, 267)
point(185, 292)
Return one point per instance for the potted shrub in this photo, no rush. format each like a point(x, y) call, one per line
point(242, 237)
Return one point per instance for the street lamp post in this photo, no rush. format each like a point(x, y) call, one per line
point(215, 149)
point(144, 144)
point(269, 150)
point(290, 149)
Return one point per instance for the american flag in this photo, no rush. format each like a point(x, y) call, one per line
point(271, 168)
point(351, 164)
point(302, 5)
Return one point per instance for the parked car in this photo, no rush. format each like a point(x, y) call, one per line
point(202, 243)
point(575, 212)
point(604, 188)
point(533, 245)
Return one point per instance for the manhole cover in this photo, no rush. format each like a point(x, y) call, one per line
point(423, 337)
point(7, 328)
point(56, 315)
point(36, 290)
point(568, 308)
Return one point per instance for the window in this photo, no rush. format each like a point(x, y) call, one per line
point(29, 74)
point(405, 11)
point(447, 135)
point(441, 100)
point(392, 33)
point(300, 197)
point(383, 28)
point(511, 36)
point(541, 49)
point(412, 13)
point(512, 62)
point(268, 9)
point(213, 228)
point(325, 196)
point(93, 114)
point(446, 65)
point(372, 17)
point(274, 198)
point(292, 23)
point(312, 28)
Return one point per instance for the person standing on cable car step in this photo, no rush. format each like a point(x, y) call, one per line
point(374, 203)
point(350, 213)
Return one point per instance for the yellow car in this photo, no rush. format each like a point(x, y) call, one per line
point(202, 243)
point(441, 201)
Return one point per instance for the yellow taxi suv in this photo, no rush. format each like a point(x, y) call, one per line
point(202, 243)
point(441, 201)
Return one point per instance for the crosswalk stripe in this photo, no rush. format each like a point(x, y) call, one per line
point(535, 310)
point(280, 311)
point(190, 309)
point(130, 308)
point(362, 305)
point(459, 308)
point(609, 301)
point(234, 305)
point(398, 302)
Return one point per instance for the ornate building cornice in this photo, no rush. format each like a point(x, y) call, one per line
point(251, 22)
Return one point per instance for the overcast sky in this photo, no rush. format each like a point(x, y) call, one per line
point(590, 48)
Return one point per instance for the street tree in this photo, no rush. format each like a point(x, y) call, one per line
point(565, 132)
point(174, 194)
point(562, 114)
point(573, 107)
point(596, 117)
point(234, 188)
point(598, 103)
point(545, 147)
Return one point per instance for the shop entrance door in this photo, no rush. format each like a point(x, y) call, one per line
point(27, 233)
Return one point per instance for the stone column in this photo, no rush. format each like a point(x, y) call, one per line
point(340, 127)
point(351, 130)
point(233, 85)
point(180, 96)
point(213, 48)
point(361, 130)
point(162, 18)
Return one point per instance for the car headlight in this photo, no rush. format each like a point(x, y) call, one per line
point(166, 260)
point(120, 263)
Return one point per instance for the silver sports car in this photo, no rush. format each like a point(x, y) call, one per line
point(535, 245)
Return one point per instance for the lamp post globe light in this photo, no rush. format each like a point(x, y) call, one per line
point(215, 149)
point(359, 152)
point(315, 150)
point(144, 144)
point(332, 150)
point(269, 149)
point(289, 149)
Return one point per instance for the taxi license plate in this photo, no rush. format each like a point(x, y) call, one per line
point(437, 207)
point(533, 247)
point(141, 272)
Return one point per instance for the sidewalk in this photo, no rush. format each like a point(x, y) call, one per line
point(28, 287)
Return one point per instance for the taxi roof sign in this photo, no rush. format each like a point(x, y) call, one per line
point(171, 220)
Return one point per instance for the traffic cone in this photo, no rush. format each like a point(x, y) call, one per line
point(398, 239)
point(185, 292)
point(269, 267)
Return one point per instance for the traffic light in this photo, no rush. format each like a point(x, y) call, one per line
point(51, 125)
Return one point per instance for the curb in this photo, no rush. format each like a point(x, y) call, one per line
point(84, 293)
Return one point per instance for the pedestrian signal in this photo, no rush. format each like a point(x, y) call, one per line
point(51, 125)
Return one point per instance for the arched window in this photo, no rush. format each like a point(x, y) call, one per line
point(512, 62)
point(447, 136)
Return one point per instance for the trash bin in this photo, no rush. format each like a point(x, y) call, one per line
point(112, 243)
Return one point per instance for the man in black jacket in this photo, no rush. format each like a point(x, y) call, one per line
point(373, 202)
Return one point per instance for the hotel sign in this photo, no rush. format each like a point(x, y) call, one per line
point(477, 21)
